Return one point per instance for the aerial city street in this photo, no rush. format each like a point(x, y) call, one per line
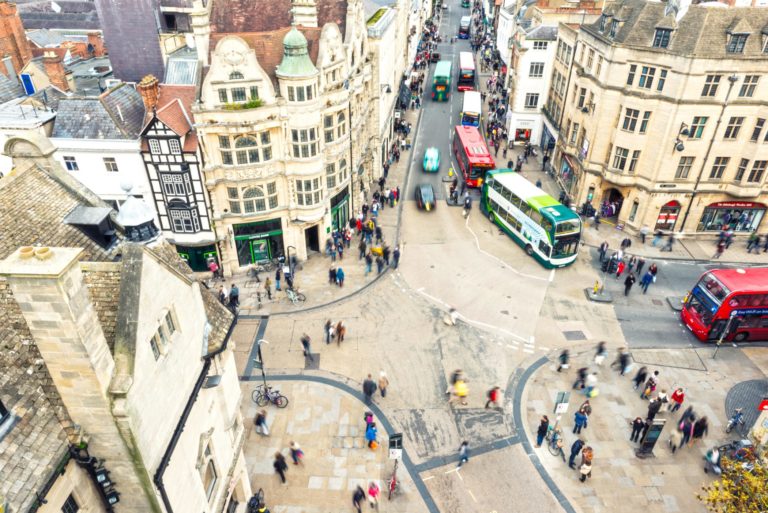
point(439, 256)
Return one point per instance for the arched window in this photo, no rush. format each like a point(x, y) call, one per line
point(249, 154)
point(184, 219)
point(236, 75)
point(253, 200)
point(245, 141)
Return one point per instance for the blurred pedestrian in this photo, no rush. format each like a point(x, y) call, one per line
point(575, 450)
point(600, 354)
point(373, 494)
point(340, 332)
point(637, 428)
point(700, 428)
point(541, 432)
point(463, 453)
point(280, 466)
point(581, 378)
point(358, 498)
point(645, 281)
point(650, 385)
point(268, 287)
point(370, 436)
point(296, 453)
point(653, 408)
point(369, 387)
point(493, 397)
point(328, 331)
point(676, 400)
point(305, 343)
point(260, 421)
point(675, 439)
point(580, 421)
point(278, 275)
point(340, 277)
point(396, 257)
point(383, 383)
point(585, 470)
point(639, 378)
point(564, 355)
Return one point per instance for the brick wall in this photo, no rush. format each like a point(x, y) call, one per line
point(54, 68)
point(13, 41)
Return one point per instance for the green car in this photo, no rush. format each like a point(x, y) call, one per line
point(432, 160)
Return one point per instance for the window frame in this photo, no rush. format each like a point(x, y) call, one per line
point(757, 172)
point(304, 142)
point(645, 122)
point(718, 168)
point(309, 191)
point(748, 86)
point(174, 145)
point(647, 75)
point(696, 130)
point(529, 103)
point(757, 130)
point(70, 505)
point(110, 164)
point(736, 43)
point(733, 128)
point(536, 70)
point(684, 166)
point(70, 163)
point(633, 160)
point(154, 147)
point(661, 38)
point(741, 170)
point(620, 157)
point(631, 74)
point(630, 119)
point(5, 413)
point(711, 84)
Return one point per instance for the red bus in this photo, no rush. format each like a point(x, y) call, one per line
point(472, 154)
point(722, 295)
point(466, 81)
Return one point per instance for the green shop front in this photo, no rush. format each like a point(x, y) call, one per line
point(197, 257)
point(258, 242)
point(340, 209)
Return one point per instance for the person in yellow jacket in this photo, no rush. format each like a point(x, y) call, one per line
point(461, 390)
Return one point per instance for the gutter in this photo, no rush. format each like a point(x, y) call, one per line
point(165, 461)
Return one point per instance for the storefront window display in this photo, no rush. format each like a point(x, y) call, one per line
point(258, 242)
point(740, 216)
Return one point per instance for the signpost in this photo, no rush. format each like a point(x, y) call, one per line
point(650, 438)
point(395, 446)
point(561, 402)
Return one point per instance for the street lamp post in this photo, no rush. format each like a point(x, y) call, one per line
point(258, 362)
point(724, 333)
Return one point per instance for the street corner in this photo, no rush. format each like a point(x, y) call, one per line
point(329, 426)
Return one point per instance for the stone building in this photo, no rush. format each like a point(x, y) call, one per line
point(102, 326)
point(664, 118)
point(285, 123)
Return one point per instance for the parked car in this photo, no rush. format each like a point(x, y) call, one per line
point(432, 160)
point(425, 197)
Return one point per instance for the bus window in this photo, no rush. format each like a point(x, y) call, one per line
point(506, 194)
point(695, 304)
point(517, 202)
point(526, 208)
point(717, 289)
point(544, 247)
point(567, 227)
point(536, 217)
point(546, 224)
point(496, 186)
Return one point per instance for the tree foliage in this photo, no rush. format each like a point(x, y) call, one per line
point(739, 490)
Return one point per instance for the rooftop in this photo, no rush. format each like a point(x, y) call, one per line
point(236, 16)
point(15, 114)
point(73, 14)
point(116, 114)
point(182, 67)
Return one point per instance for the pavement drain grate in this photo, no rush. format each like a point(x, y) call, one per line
point(312, 364)
point(657, 302)
point(574, 335)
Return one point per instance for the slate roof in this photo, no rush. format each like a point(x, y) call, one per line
point(9, 89)
point(701, 31)
point(232, 16)
point(31, 451)
point(74, 14)
point(25, 219)
point(116, 114)
point(45, 37)
point(542, 33)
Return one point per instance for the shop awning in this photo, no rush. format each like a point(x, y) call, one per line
point(571, 161)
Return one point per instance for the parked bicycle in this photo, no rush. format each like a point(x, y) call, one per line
point(736, 421)
point(555, 442)
point(263, 396)
point(392, 485)
point(295, 296)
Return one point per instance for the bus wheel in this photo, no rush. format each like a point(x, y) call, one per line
point(529, 250)
point(741, 337)
point(490, 216)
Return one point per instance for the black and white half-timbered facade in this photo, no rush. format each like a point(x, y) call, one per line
point(172, 160)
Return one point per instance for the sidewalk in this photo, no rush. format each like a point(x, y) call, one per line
point(312, 275)
point(620, 481)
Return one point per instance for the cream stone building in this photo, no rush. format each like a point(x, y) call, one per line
point(664, 117)
point(286, 124)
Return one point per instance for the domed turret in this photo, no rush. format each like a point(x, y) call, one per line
point(296, 62)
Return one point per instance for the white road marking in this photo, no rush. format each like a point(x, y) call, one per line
point(471, 494)
point(529, 351)
point(552, 276)
point(427, 478)
point(502, 262)
point(452, 470)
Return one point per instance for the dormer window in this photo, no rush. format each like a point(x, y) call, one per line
point(736, 43)
point(602, 23)
point(236, 75)
point(614, 28)
point(661, 38)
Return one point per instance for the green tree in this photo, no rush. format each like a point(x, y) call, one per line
point(738, 490)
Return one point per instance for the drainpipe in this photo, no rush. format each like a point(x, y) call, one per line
point(731, 82)
point(158, 479)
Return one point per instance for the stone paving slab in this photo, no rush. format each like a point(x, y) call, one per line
point(664, 484)
point(680, 358)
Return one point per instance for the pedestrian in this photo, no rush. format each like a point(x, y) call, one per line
point(580, 421)
point(575, 450)
point(460, 391)
point(328, 331)
point(623, 361)
point(700, 428)
point(542, 431)
point(602, 250)
point(585, 470)
point(234, 297)
point(368, 263)
point(396, 257)
point(646, 281)
point(587, 407)
point(358, 498)
point(632, 263)
point(639, 378)
point(720, 249)
point(657, 236)
point(463, 453)
point(686, 427)
point(340, 332)
point(581, 378)
point(590, 385)
point(222, 295)
point(675, 439)
point(370, 436)
point(626, 243)
point(296, 453)
point(340, 277)
point(280, 465)
point(620, 269)
point(379, 265)
point(332, 275)
point(260, 421)
point(628, 282)
point(369, 387)
point(373, 493)
point(278, 274)
point(644, 230)
point(563, 360)
point(362, 247)
point(637, 427)
point(600, 354)
point(383, 383)
point(650, 385)
point(676, 400)
point(493, 397)
point(305, 341)
point(670, 242)
point(640, 264)
point(653, 408)
point(467, 205)
point(268, 287)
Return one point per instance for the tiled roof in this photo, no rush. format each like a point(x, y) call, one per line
point(175, 118)
point(182, 67)
point(542, 33)
point(269, 46)
point(9, 89)
point(45, 37)
point(73, 14)
point(116, 114)
point(103, 285)
point(701, 31)
point(235, 16)
point(31, 451)
point(27, 220)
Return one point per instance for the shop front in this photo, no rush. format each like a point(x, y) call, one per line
point(739, 216)
point(548, 140)
point(197, 257)
point(568, 171)
point(668, 216)
point(258, 242)
point(340, 209)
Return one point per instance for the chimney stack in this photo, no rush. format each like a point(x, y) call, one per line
point(13, 40)
point(149, 90)
point(97, 43)
point(54, 68)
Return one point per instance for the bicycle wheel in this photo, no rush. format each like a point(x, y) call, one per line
point(301, 297)
point(553, 448)
point(255, 395)
point(262, 399)
point(281, 401)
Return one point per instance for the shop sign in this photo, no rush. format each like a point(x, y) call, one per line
point(667, 185)
point(736, 204)
point(524, 122)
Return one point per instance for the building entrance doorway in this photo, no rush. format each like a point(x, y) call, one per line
point(312, 239)
point(611, 204)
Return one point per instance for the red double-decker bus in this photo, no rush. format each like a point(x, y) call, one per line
point(735, 300)
point(472, 154)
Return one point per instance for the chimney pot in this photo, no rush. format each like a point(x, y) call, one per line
point(149, 89)
point(54, 68)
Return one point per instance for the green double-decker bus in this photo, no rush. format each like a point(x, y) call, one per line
point(546, 229)
point(441, 82)
point(465, 3)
